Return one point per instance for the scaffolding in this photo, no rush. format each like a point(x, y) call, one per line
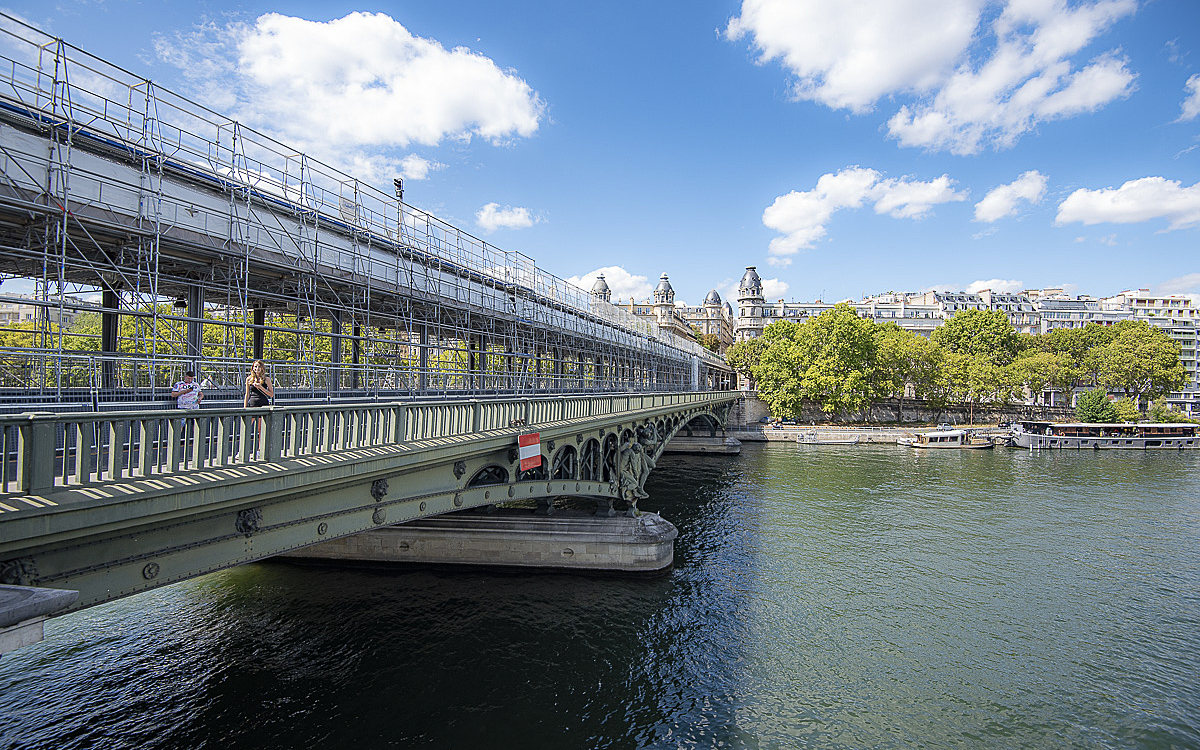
point(178, 239)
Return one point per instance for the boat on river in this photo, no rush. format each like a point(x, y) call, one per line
point(1127, 435)
point(959, 439)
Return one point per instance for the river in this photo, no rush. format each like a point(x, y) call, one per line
point(822, 597)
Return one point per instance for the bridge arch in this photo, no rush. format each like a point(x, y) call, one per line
point(488, 475)
point(565, 464)
point(591, 466)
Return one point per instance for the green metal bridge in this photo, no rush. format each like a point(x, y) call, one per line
point(111, 504)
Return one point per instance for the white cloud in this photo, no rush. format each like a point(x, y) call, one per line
point(1135, 201)
point(347, 88)
point(492, 217)
point(969, 76)
point(622, 283)
point(1188, 284)
point(1001, 201)
point(1191, 105)
point(996, 285)
point(774, 289)
point(801, 216)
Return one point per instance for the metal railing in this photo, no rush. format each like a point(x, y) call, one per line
point(44, 452)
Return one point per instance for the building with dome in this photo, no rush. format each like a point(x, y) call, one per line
point(660, 308)
point(714, 318)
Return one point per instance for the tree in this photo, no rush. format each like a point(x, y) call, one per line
point(829, 359)
point(1141, 361)
point(1125, 411)
point(1037, 370)
point(986, 333)
point(905, 360)
point(1094, 406)
point(974, 379)
point(743, 356)
point(709, 341)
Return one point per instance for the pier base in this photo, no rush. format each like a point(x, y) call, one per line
point(568, 540)
point(24, 609)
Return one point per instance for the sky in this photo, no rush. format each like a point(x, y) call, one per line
point(844, 149)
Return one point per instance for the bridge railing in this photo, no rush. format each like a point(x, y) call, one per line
point(43, 452)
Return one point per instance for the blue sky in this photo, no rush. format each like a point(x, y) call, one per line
point(843, 148)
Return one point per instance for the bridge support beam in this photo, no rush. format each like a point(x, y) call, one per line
point(195, 325)
point(110, 327)
point(259, 327)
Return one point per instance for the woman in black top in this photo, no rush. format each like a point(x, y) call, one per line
point(259, 390)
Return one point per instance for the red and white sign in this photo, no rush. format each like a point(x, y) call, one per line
point(530, 449)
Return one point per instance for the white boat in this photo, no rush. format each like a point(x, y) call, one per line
point(950, 439)
point(1130, 436)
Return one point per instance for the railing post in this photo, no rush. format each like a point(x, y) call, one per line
point(399, 418)
point(273, 429)
point(35, 467)
point(528, 410)
point(476, 416)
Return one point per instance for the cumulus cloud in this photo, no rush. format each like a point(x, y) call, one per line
point(493, 216)
point(774, 289)
point(622, 283)
point(996, 285)
point(353, 86)
point(1191, 105)
point(801, 216)
point(1136, 201)
point(1001, 201)
point(1189, 283)
point(968, 76)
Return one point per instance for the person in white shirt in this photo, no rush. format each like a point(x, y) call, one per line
point(187, 392)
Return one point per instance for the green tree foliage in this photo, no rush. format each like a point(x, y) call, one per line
point(1081, 348)
point(1142, 361)
point(906, 360)
point(709, 341)
point(1094, 406)
point(1161, 411)
point(1125, 411)
point(974, 379)
point(980, 333)
point(829, 359)
point(743, 356)
point(1037, 370)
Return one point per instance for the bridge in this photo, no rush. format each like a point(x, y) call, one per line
point(157, 236)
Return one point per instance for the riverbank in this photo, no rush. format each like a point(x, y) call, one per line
point(819, 433)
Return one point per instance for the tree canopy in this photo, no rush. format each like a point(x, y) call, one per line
point(980, 333)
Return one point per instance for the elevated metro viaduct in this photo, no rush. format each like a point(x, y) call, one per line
point(131, 501)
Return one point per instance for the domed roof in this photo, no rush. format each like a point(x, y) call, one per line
point(729, 309)
point(713, 298)
point(663, 284)
point(751, 280)
point(600, 286)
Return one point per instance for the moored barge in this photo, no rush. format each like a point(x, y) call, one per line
point(1141, 436)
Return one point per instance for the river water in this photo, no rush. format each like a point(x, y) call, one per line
point(823, 597)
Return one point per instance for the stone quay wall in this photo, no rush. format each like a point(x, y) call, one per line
point(749, 411)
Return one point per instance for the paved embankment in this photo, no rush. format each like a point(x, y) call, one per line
point(790, 433)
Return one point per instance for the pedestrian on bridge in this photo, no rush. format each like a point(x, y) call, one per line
point(259, 392)
point(259, 389)
point(187, 392)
